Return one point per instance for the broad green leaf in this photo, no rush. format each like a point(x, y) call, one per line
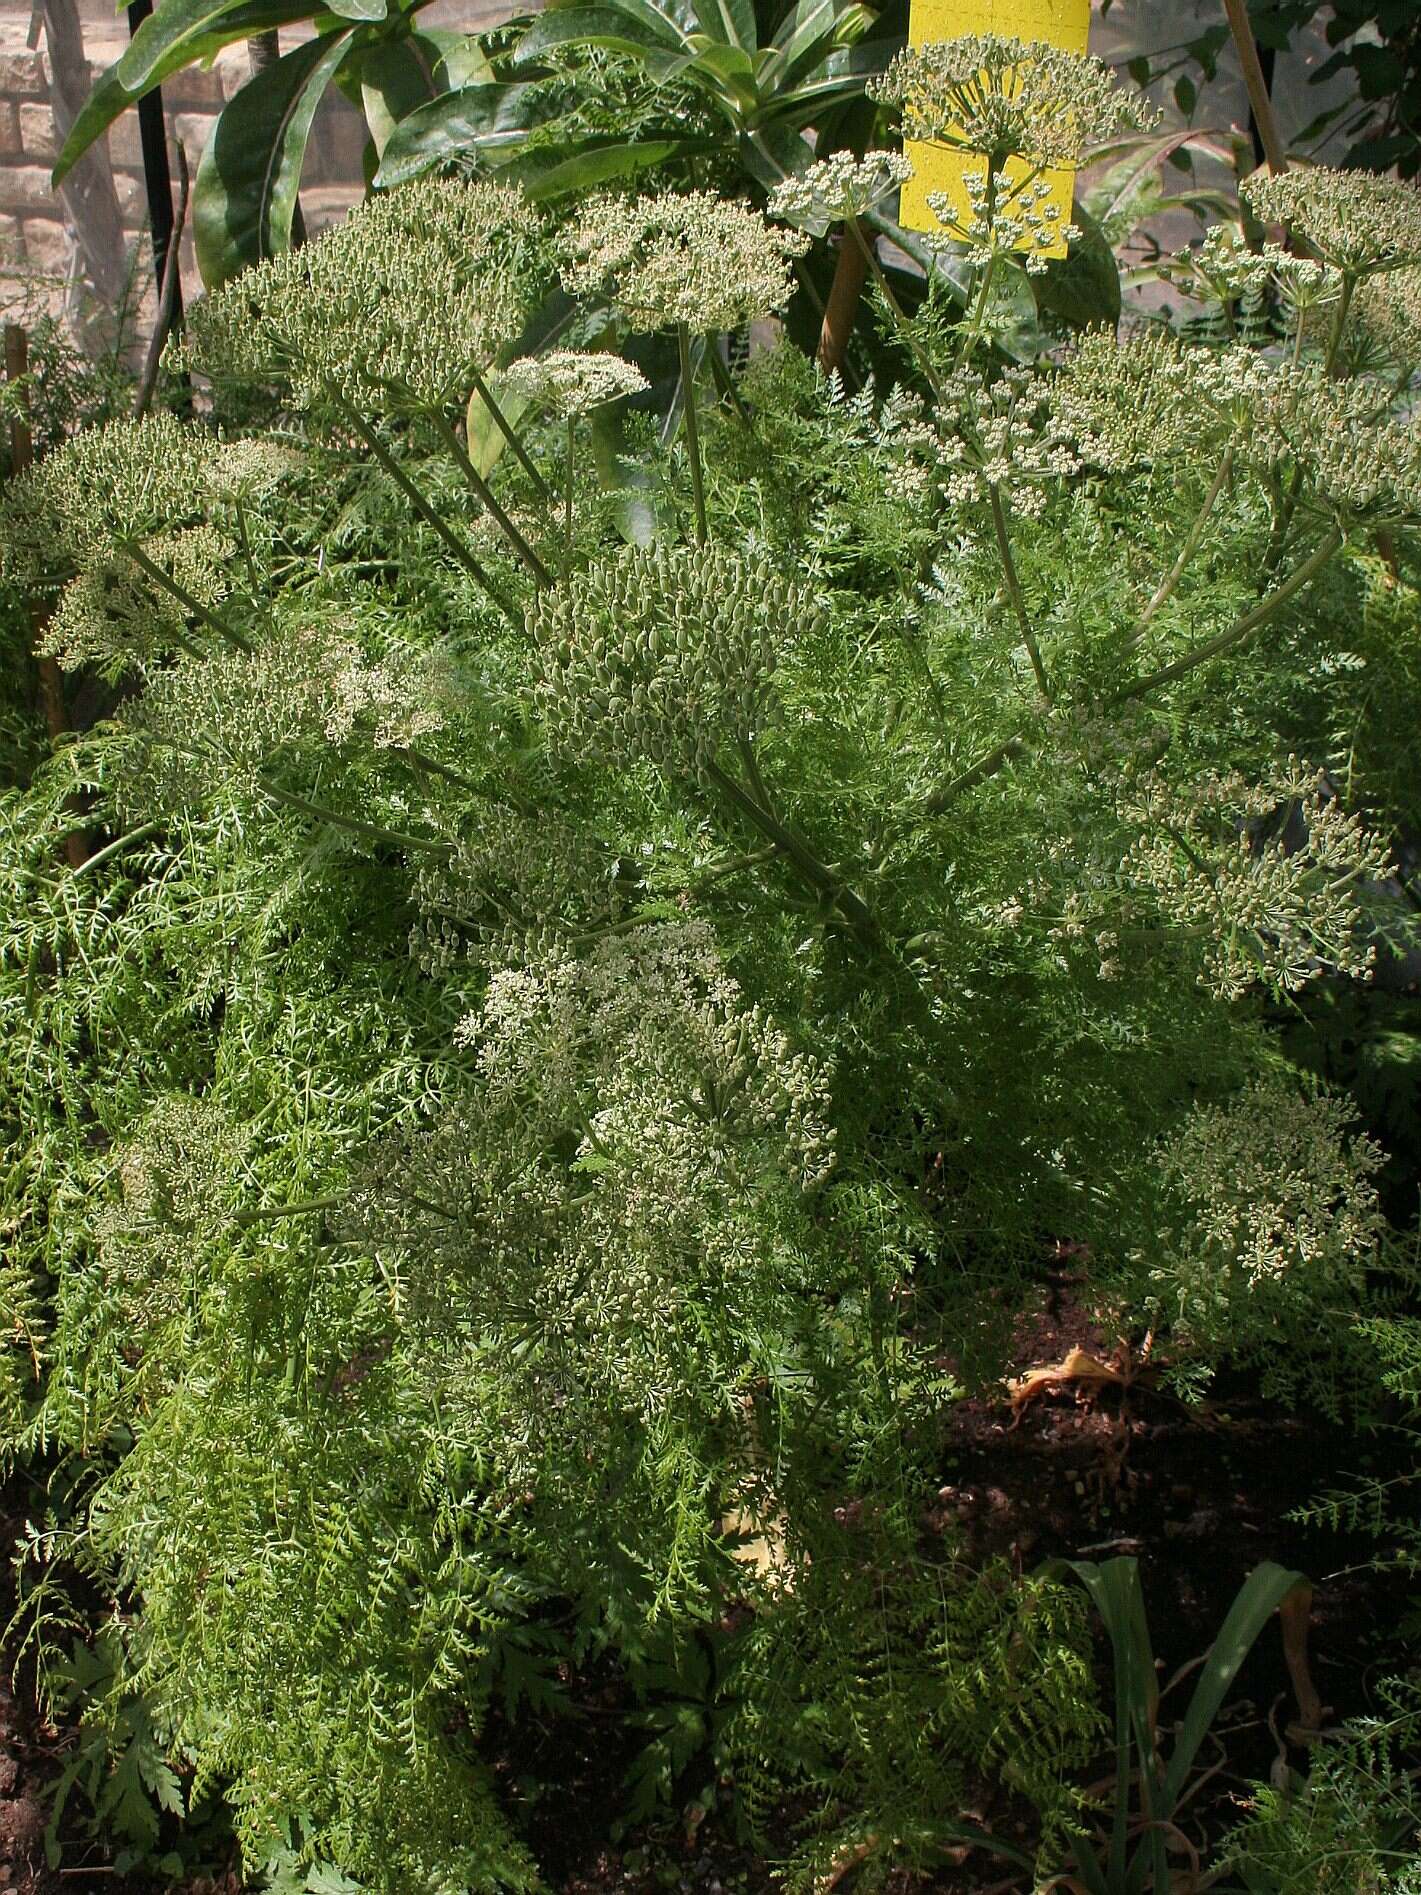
point(730, 22)
point(731, 70)
point(245, 193)
point(490, 121)
point(363, 10)
point(545, 175)
point(110, 98)
point(669, 21)
point(807, 34)
point(1083, 287)
point(177, 23)
point(771, 153)
point(398, 76)
point(595, 26)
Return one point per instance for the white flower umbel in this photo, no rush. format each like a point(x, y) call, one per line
point(569, 383)
point(1008, 98)
point(692, 262)
point(1356, 221)
point(839, 187)
point(1266, 875)
point(399, 307)
point(688, 258)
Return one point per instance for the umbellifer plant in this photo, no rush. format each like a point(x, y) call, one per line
point(569, 1047)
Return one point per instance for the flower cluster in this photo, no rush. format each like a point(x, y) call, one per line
point(113, 616)
point(1007, 98)
point(664, 652)
point(1356, 221)
point(1222, 268)
point(394, 309)
point(658, 1014)
point(619, 1183)
point(1267, 875)
point(124, 481)
point(1360, 462)
point(1001, 430)
point(694, 259)
point(839, 187)
point(1387, 310)
point(1022, 216)
point(1152, 398)
point(568, 382)
point(1263, 1193)
point(228, 716)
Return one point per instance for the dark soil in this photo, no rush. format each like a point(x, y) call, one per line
point(1086, 1471)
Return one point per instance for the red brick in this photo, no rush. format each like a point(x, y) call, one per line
point(193, 87)
point(26, 188)
point(125, 145)
point(48, 245)
point(10, 146)
point(132, 200)
point(22, 76)
point(37, 133)
point(193, 130)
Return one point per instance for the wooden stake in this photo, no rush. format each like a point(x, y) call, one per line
point(1260, 103)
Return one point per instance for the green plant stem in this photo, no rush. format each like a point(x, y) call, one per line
point(194, 607)
point(567, 514)
point(1002, 753)
point(1014, 592)
point(451, 539)
point(814, 873)
point(725, 382)
point(485, 494)
point(1339, 324)
point(372, 832)
point(300, 1208)
point(511, 435)
point(245, 538)
point(116, 847)
point(1245, 627)
point(693, 433)
point(1167, 586)
point(895, 308)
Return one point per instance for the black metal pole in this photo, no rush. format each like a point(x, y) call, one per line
point(157, 177)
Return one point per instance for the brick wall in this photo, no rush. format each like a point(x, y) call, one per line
point(39, 254)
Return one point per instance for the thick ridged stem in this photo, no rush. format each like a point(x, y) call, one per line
point(693, 432)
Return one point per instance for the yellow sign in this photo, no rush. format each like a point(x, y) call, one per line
point(1065, 23)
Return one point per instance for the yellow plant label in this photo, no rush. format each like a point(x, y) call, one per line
point(1064, 23)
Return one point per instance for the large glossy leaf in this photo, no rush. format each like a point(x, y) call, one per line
point(367, 11)
point(597, 26)
point(398, 76)
point(245, 193)
point(1083, 287)
point(669, 20)
point(773, 153)
point(808, 33)
point(172, 22)
point(488, 120)
point(731, 22)
point(550, 174)
point(110, 98)
point(730, 72)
